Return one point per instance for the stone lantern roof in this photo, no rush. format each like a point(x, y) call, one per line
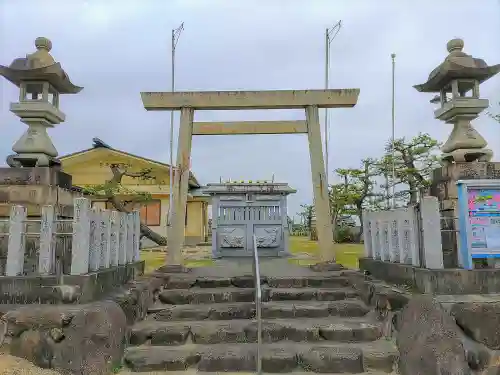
point(39, 66)
point(457, 65)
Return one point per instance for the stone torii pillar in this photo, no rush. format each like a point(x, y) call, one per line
point(309, 100)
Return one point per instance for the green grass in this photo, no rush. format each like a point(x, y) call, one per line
point(156, 259)
point(345, 254)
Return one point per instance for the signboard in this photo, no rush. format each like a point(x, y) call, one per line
point(479, 220)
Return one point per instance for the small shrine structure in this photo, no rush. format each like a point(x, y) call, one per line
point(241, 210)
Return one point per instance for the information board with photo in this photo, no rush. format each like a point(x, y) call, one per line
point(484, 222)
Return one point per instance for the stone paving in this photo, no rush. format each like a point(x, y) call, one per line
point(448, 300)
point(188, 252)
point(243, 266)
point(195, 372)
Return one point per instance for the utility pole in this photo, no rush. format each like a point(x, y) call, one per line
point(176, 33)
point(386, 187)
point(330, 34)
point(393, 57)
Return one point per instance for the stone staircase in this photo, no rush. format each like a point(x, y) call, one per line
point(312, 322)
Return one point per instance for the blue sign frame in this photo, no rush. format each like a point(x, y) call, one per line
point(482, 239)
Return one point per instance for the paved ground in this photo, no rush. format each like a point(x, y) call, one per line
point(239, 266)
point(188, 252)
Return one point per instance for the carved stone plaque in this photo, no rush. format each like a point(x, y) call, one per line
point(231, 237)
point(268, 237)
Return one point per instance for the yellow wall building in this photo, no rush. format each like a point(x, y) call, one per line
point(92, 167)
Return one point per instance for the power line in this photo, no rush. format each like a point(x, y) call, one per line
point(393, 57)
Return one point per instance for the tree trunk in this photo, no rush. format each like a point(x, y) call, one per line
point(145, 230)
point(153, 236)
point(359, 236)
point(413, 190)
point(334, 221)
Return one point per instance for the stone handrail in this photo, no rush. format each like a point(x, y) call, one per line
point(258, 304)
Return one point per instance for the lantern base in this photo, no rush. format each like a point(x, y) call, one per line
point(32, 160)
point(38, 109)
point(466, 155)
point(464, 107)
point(35, 139)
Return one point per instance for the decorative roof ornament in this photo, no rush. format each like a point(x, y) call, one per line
point(39, 66)
point(457, 65)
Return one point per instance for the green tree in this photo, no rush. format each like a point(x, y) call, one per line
point(290, 223)
point(359, 189)
point(414, 161)
point(342, 197)
point(306, 215)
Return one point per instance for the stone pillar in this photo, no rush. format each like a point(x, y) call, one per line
point(444, 187)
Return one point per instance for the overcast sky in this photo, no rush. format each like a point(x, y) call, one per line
point(116, 49)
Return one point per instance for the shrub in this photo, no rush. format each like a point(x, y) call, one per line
point(344, 234)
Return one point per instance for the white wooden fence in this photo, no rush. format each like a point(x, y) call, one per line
point(409, 235)
point(100, 239)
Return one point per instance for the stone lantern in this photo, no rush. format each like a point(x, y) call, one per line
point(457, 81)
point(40, 80)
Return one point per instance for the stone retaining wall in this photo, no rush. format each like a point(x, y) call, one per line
point(432, 340)
point(67, 288)
point(442, 281)
point(83, 339)
point(90, 338)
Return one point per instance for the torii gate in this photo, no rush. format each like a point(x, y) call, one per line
point(188, 102)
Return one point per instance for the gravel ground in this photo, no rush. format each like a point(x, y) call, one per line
point(10, 365)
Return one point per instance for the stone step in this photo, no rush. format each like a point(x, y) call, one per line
point(308, 294)
point(276, 358)
point(327, 281)
point(245, 331)
point(196, 372)
point(336, 279)
point(198, 295)
point(246, 310)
